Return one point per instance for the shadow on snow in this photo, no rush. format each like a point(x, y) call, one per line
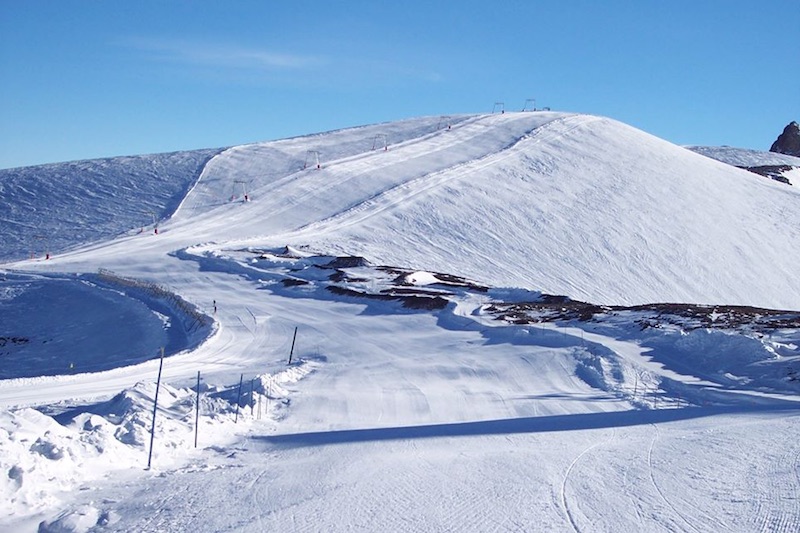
point(539, 424)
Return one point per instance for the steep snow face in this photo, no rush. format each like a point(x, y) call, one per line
point(51, 207)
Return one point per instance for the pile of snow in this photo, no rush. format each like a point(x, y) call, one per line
point(46, 457)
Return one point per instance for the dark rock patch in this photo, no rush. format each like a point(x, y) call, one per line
point(788, 142)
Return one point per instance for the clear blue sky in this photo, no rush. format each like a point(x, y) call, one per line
point(86, 79)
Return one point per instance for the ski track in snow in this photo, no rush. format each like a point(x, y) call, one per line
point(389, 198)
point(661, 493)
point(564, 500)
point(780, 511)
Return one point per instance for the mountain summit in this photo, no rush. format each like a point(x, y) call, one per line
point(788, 142)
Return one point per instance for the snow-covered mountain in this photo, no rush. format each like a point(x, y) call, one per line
point(435, 324)
point(780, 167)
point(566, 204)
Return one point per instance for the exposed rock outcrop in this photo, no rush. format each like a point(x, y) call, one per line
point(788, 142)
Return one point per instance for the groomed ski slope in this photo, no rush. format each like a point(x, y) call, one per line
point(567, 204)
point(402, 420)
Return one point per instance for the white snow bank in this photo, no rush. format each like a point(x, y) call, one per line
point(45, 459)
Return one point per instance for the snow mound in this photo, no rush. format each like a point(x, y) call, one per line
point(79, 520)
point(47, 456)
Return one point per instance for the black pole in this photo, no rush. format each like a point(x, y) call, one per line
point(197, 412)
point(155, 409)
point(238, 399)
point(292, 350)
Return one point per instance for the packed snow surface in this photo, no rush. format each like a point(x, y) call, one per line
point(435, 384)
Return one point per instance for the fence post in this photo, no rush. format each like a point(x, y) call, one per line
point(197, 412)
point(251, 401)
point(238, 399)
point(269, 392)
point(294, 338)
point(155, 409)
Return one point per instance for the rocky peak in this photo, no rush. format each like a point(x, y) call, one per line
point(788, 142)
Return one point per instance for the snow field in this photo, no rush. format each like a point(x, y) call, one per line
point(441, 418)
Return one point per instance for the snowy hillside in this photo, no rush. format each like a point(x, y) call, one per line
point(565, 204)
point(782, 167)
point(50, 208)
point(364, 329)
point(742, 157)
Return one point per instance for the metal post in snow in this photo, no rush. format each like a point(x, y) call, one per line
point(251, 402)
point(155, 409)
point(529, 100)
point(269, 393)
point(197, 411)
point(238, 399)
point(292, 350)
